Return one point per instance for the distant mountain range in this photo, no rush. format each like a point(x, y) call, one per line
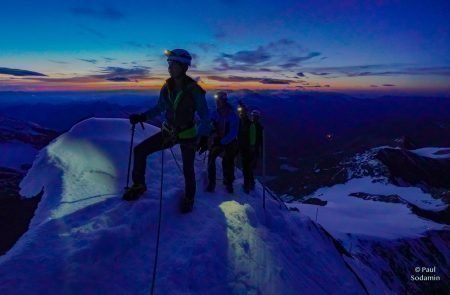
point(20, 142)
point(305, 131)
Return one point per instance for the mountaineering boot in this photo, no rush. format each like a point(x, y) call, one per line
point(186, 205)
point(133, 193)
point(211, 186)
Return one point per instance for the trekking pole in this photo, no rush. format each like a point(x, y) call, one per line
point(133, 128)
point(264, 168)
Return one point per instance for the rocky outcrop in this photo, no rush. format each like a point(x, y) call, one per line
point(12, 130)
point(15, 212)
point(409, 266)
point(415, 169)
point(406, 143)
point(378, 198)
point(315, 201)
point(15, 217)
point(9, 182)
point(442, 216)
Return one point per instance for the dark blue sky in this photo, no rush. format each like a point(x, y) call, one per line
point(395, 46)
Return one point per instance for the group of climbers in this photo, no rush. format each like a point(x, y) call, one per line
point(225, 123)
point(234, 134)
point(223, 132)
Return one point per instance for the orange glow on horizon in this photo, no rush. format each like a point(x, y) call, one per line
point(155, 83)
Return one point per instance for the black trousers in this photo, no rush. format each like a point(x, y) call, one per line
point(249, 158)
point(230, 151)
point(159, 142)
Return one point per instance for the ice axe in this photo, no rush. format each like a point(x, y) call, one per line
point(133, 128)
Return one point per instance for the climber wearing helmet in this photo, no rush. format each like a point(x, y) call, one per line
point(225, 125)
point(180, 97)
point(250, 145)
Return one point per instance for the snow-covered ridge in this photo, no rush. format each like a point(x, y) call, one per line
point(20, 142)
point(433, 152)
point(13, 129)
point(385, 227)
point(374, 215)
point(85, 240)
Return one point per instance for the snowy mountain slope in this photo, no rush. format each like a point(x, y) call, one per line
point(395, 262)
point(369, 204)
point(433, 152)
point(381, 217)
point(378, 223)
point(20, 142)
point(85, 240)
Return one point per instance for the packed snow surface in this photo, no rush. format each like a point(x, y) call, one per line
point(84, 239)
point(378, 218)
point(433, 152)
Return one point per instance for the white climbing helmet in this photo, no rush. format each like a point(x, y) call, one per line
point(221, 95)
point(179, 55)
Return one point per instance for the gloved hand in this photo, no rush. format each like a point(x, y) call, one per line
point(137, 118)
point(202, 145)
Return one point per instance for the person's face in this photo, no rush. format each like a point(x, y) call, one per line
point(175, 69)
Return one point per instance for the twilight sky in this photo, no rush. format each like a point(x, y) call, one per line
point(347, 45)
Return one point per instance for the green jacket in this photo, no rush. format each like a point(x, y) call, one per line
point(250, 135)
point(180, 108)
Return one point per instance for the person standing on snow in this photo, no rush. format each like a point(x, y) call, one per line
point(250, 144)
point(179, 98)
point(225, 124)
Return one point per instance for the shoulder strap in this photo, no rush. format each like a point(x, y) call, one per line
point(177, 99)
point(191, 85)
point(167, 93)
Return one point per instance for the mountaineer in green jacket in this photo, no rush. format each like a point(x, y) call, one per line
point(180, 98)
point(250, 138)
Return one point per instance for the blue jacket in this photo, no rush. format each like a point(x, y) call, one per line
point(226, 124)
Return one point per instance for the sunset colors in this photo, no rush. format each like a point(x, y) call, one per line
point(341, 46)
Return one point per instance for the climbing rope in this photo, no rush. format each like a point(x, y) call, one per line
point(159, 218)
point(176, 161)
